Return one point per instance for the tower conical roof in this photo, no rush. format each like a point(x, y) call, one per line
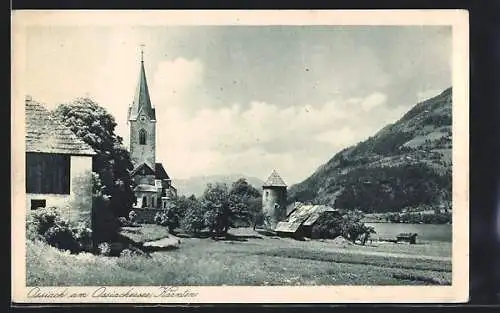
point(274, 180)
point(142, 102)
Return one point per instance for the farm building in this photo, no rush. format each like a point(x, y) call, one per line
point(58, 166)
point(302, 218)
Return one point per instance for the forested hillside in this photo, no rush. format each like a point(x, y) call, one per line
point(405, 165)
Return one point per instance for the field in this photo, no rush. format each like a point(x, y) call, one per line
point(245, 258)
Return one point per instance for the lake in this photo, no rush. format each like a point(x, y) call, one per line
point(431, 232)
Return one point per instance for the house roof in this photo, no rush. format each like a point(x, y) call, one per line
point(315, 215)
point(160, 172)
point(303, 214)
point(274, 180)
point(46, 134)
point(142, 101)
point(145, 188)
point(143, 169)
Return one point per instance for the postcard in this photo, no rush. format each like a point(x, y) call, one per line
point(240, 156)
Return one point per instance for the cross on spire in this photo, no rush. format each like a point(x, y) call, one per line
point(142, 51)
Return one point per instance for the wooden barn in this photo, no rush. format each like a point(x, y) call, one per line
point(302, 218)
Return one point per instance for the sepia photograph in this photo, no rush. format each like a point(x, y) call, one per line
point(158, 154)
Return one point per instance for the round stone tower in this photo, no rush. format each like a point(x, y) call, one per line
point(273, 200)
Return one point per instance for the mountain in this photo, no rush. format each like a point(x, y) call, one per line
point(406, 164)
point(196, 185)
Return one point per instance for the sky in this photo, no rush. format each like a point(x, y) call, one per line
point(245, 99)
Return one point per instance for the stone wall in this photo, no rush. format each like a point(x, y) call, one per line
point(143, 153)
point(77, 206)
point(146, 215)
point(270, 197)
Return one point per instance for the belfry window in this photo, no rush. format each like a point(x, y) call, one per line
point(142, 137)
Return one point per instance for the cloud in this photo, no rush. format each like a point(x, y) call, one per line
point(373, 101)
point(257, 137)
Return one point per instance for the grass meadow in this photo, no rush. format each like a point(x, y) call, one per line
point(245, 259)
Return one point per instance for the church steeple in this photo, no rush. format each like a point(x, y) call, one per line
point(142, 101)
point(142, 120)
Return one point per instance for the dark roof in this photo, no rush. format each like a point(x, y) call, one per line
point(160, 172)
point(46, 134)
point(274, 180)
point(303, 214)
point(143, 166)
point(142, 101)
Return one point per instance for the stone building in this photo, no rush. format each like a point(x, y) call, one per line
point(274, 195)
point(153, 185)
point(58, 166)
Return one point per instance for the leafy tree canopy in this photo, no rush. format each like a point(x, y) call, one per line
point(96, 127)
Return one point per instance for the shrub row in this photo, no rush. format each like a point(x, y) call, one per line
point(47, 225)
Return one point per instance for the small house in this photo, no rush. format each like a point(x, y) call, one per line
point(58, 166)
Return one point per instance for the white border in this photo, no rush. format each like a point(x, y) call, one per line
point(458, 19)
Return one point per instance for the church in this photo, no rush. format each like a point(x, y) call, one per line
point(153, 185)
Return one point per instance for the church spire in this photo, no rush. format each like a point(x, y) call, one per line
point(142, 102)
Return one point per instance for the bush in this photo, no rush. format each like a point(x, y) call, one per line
point(327, 227)
point(131, 253)
point(126, 253)
point(161, 219)
point(124, 222)
point(47, 225)
point(104, 248)
point(131, 216)
point(83, 235)
point(348, 226)
point(194, 220)
point(62, 237)
point(167, 218)
point(40, 220)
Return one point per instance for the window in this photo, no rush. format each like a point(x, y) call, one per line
point(142, 137)
point(47, 173)
point(35, 204)
point(159, 203)
point(144, 201)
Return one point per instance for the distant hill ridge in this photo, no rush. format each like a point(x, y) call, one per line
point(405, 164)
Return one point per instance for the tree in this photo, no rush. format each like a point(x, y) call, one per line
point(216, 205)
point(96, 127)
point(328, 226)
point(352, 227)
point(368, 231)
point(193, 219)
point(246, 203)
point(182, 205)
point(169, 217)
